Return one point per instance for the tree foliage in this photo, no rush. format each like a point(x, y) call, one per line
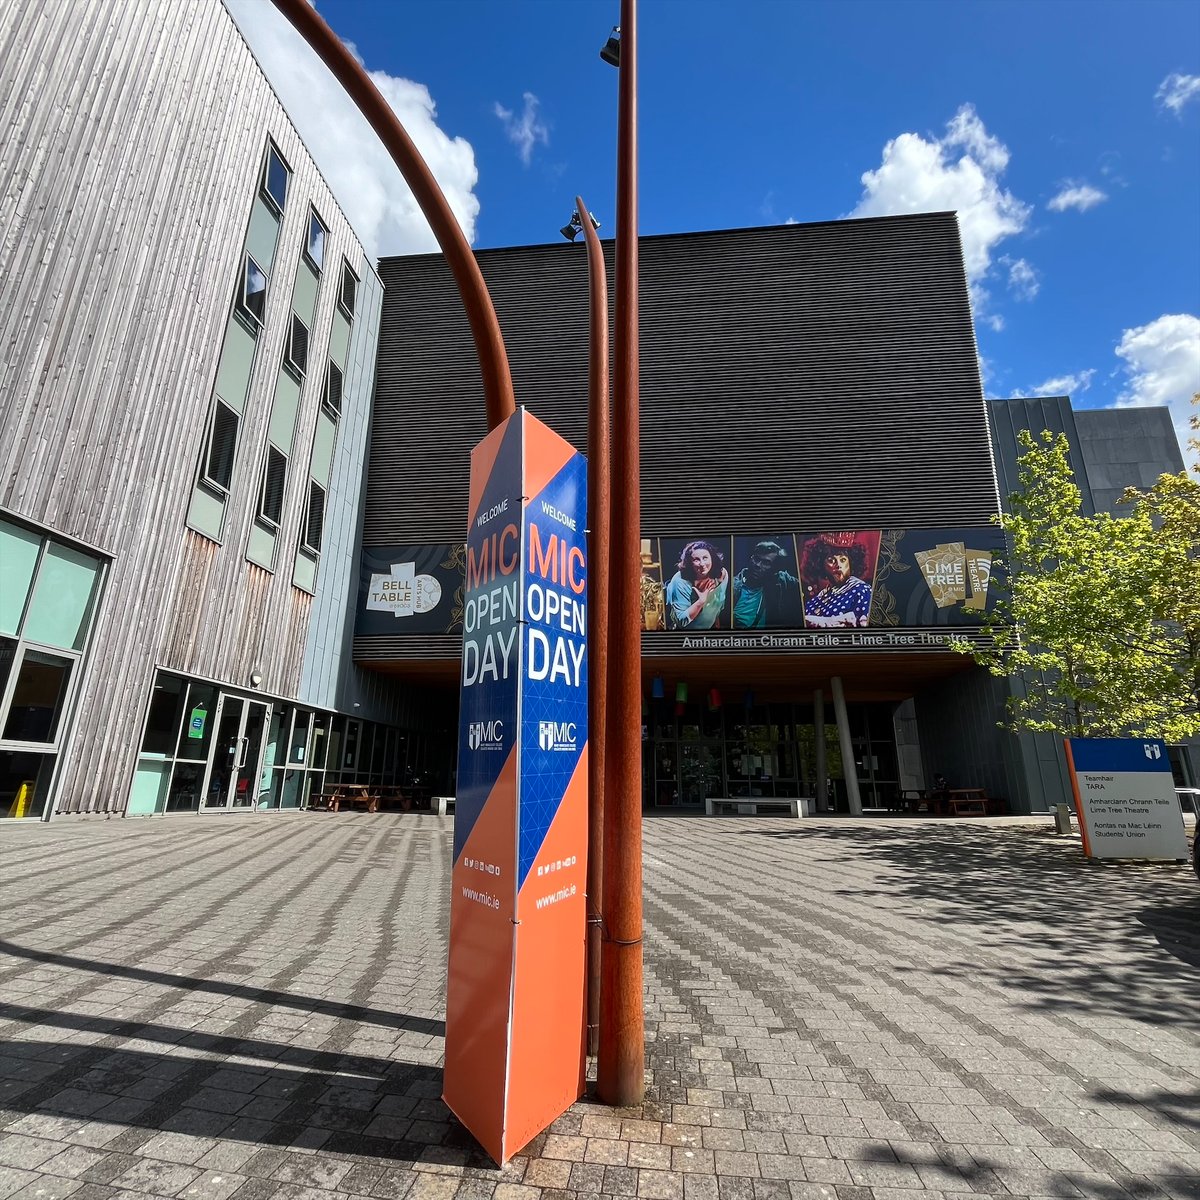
point(1101, 625)
point(1173, 507)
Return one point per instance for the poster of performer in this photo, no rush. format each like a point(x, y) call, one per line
point(765, 587)
point(696, 596)
point(837, 571)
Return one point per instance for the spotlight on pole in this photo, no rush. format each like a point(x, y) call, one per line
point(575, 226)
point(612, 48)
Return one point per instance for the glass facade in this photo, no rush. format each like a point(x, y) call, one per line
point(693, 751)
point(209, 749)
point(48, 595)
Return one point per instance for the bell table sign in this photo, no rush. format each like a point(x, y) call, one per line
point(1125, 798)
point(515, 982)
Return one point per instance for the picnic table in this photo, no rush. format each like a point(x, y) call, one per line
point(354, 795)
point(953, 802)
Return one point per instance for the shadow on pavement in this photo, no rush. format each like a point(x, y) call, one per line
point(1086, 936)
point(220, 987)
point(232, 1088)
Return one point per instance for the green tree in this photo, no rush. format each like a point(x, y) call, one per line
point(1172, 506)
point(1080, 628)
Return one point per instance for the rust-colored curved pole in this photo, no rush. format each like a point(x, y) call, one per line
point(620, 1065)
point(598, 579)
point(489, 342)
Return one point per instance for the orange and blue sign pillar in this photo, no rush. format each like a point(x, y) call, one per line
point(515, 1006)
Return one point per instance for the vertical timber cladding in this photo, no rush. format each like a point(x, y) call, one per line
point(515, 990)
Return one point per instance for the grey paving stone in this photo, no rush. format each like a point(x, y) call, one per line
point(13, 1179)
point(844, 1010)
point(73, 1161)
point(17, 1150)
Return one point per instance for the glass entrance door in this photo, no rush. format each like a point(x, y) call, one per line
point(700, 772)
point(233, 780)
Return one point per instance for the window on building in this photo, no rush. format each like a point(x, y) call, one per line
point(253, 298)
point(295, 353)
point(315, 248)
point(349, 293)
point(276, 175)
point(314, 520)
point(333, 389)
point(270, 500)
point(36, 705)
point(222, 446)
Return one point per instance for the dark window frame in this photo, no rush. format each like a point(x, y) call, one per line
point(290, 347)
point(314, 219)
point(309, 542)
point(272, 519)
point(208, 476)
point(348, 275)
point(334, 409)
point(243, 301)
point(273, 152)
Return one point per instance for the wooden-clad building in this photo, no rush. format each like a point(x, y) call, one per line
point(189, 329)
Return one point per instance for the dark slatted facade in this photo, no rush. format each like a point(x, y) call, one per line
point(792, 377)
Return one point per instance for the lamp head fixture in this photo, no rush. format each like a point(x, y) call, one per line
point(574, 225)
point(612, 48)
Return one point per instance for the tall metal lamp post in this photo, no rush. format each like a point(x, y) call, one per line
point(485, 328)
point(621, 1062)
point(599, 420)
point(622, 1033)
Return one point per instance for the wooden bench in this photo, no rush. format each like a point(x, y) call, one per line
point(750, 806)
point(394, 796)
point(354, 796)
point(967, 802)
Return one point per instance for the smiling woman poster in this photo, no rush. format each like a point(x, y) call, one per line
point(697, 593)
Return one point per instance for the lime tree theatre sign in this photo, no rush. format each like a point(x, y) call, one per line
point(1125, 798)
point(515, 987)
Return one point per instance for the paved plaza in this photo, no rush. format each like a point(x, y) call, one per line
point(250, 1008)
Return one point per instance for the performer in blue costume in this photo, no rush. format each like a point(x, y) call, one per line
point(832, 570)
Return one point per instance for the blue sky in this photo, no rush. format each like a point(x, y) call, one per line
point(1065, 133)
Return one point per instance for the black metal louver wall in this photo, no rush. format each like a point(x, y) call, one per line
point(797, 377)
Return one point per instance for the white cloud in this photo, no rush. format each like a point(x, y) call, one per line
point(1023, 280)
point(359, 171)
point(1176, 90)
point(1077, 195)
point(1065, 385)
point(525, 131)
point(959, 171)
point(1162, 362)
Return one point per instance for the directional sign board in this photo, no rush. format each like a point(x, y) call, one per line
point(515, 987)
point(1125, 798)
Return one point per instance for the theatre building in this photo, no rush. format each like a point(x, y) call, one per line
point(818, 485)
point(234, 468)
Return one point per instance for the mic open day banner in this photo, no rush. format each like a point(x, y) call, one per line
point(515, 1022)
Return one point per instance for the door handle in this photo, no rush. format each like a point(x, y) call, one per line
point(245, 745)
